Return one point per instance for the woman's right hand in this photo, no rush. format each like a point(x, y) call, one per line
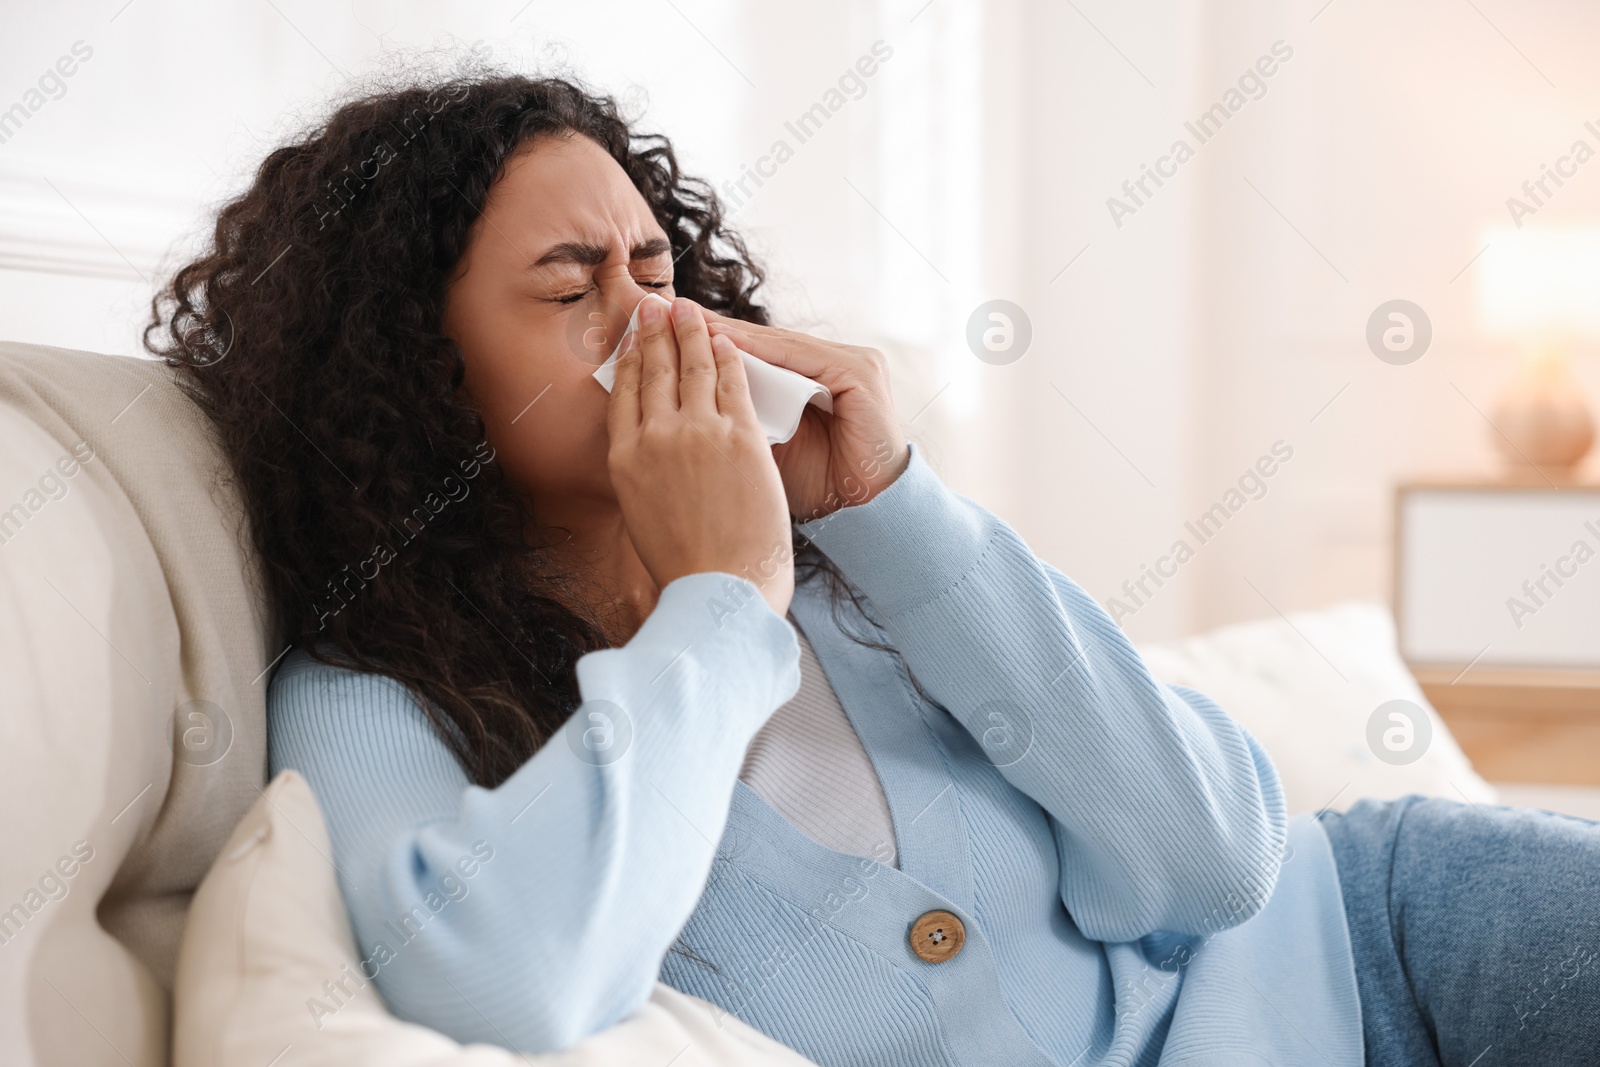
point(689, 462)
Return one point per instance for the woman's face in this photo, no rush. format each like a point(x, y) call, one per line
point(564, 250)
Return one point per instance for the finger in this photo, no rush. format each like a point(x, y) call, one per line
point(715, 317)
point(733, 388)
point(659, 363)
point(792, 351)
point(697, 366)
point(622, 413)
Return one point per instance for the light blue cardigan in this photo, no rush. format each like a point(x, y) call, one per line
point(1116, 848)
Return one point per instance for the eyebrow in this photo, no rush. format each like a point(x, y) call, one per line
point(592, 255)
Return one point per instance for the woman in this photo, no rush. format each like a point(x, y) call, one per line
point(595, 688)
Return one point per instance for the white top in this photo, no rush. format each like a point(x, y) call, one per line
point(809, 764)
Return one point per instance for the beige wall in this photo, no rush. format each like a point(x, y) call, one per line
point(1391, 141)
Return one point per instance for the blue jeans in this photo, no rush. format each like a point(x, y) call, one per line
point(1476, 932)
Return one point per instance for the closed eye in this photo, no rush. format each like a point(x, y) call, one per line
point(573, 298)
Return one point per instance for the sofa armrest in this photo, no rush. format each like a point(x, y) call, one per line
point(88, 649)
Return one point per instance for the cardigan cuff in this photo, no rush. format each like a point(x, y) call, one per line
point(910, 543)
point(717, 624)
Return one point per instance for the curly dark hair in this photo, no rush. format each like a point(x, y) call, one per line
point(310, 333)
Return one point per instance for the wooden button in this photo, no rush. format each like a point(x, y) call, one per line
point(937, 936)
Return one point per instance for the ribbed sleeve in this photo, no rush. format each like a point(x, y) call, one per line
point(537, 913)
point(1167, 813)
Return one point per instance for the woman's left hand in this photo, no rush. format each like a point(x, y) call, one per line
point(834, 460)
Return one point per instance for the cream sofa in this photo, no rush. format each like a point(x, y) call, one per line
point(137, 654)
point(127, 596)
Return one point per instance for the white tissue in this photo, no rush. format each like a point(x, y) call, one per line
point(779, 395)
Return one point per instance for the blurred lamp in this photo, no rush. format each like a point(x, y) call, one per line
point(1541, 288)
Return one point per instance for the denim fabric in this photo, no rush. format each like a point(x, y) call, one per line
point(1475, 930)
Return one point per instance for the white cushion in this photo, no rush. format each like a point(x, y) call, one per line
point(267, 929)
point(1281, 680)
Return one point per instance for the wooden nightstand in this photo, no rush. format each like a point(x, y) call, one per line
point(1497, 602)
point(1522, 725)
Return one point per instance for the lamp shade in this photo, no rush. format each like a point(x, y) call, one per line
point(1537, 284)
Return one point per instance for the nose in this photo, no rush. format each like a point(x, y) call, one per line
point(608, 319)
